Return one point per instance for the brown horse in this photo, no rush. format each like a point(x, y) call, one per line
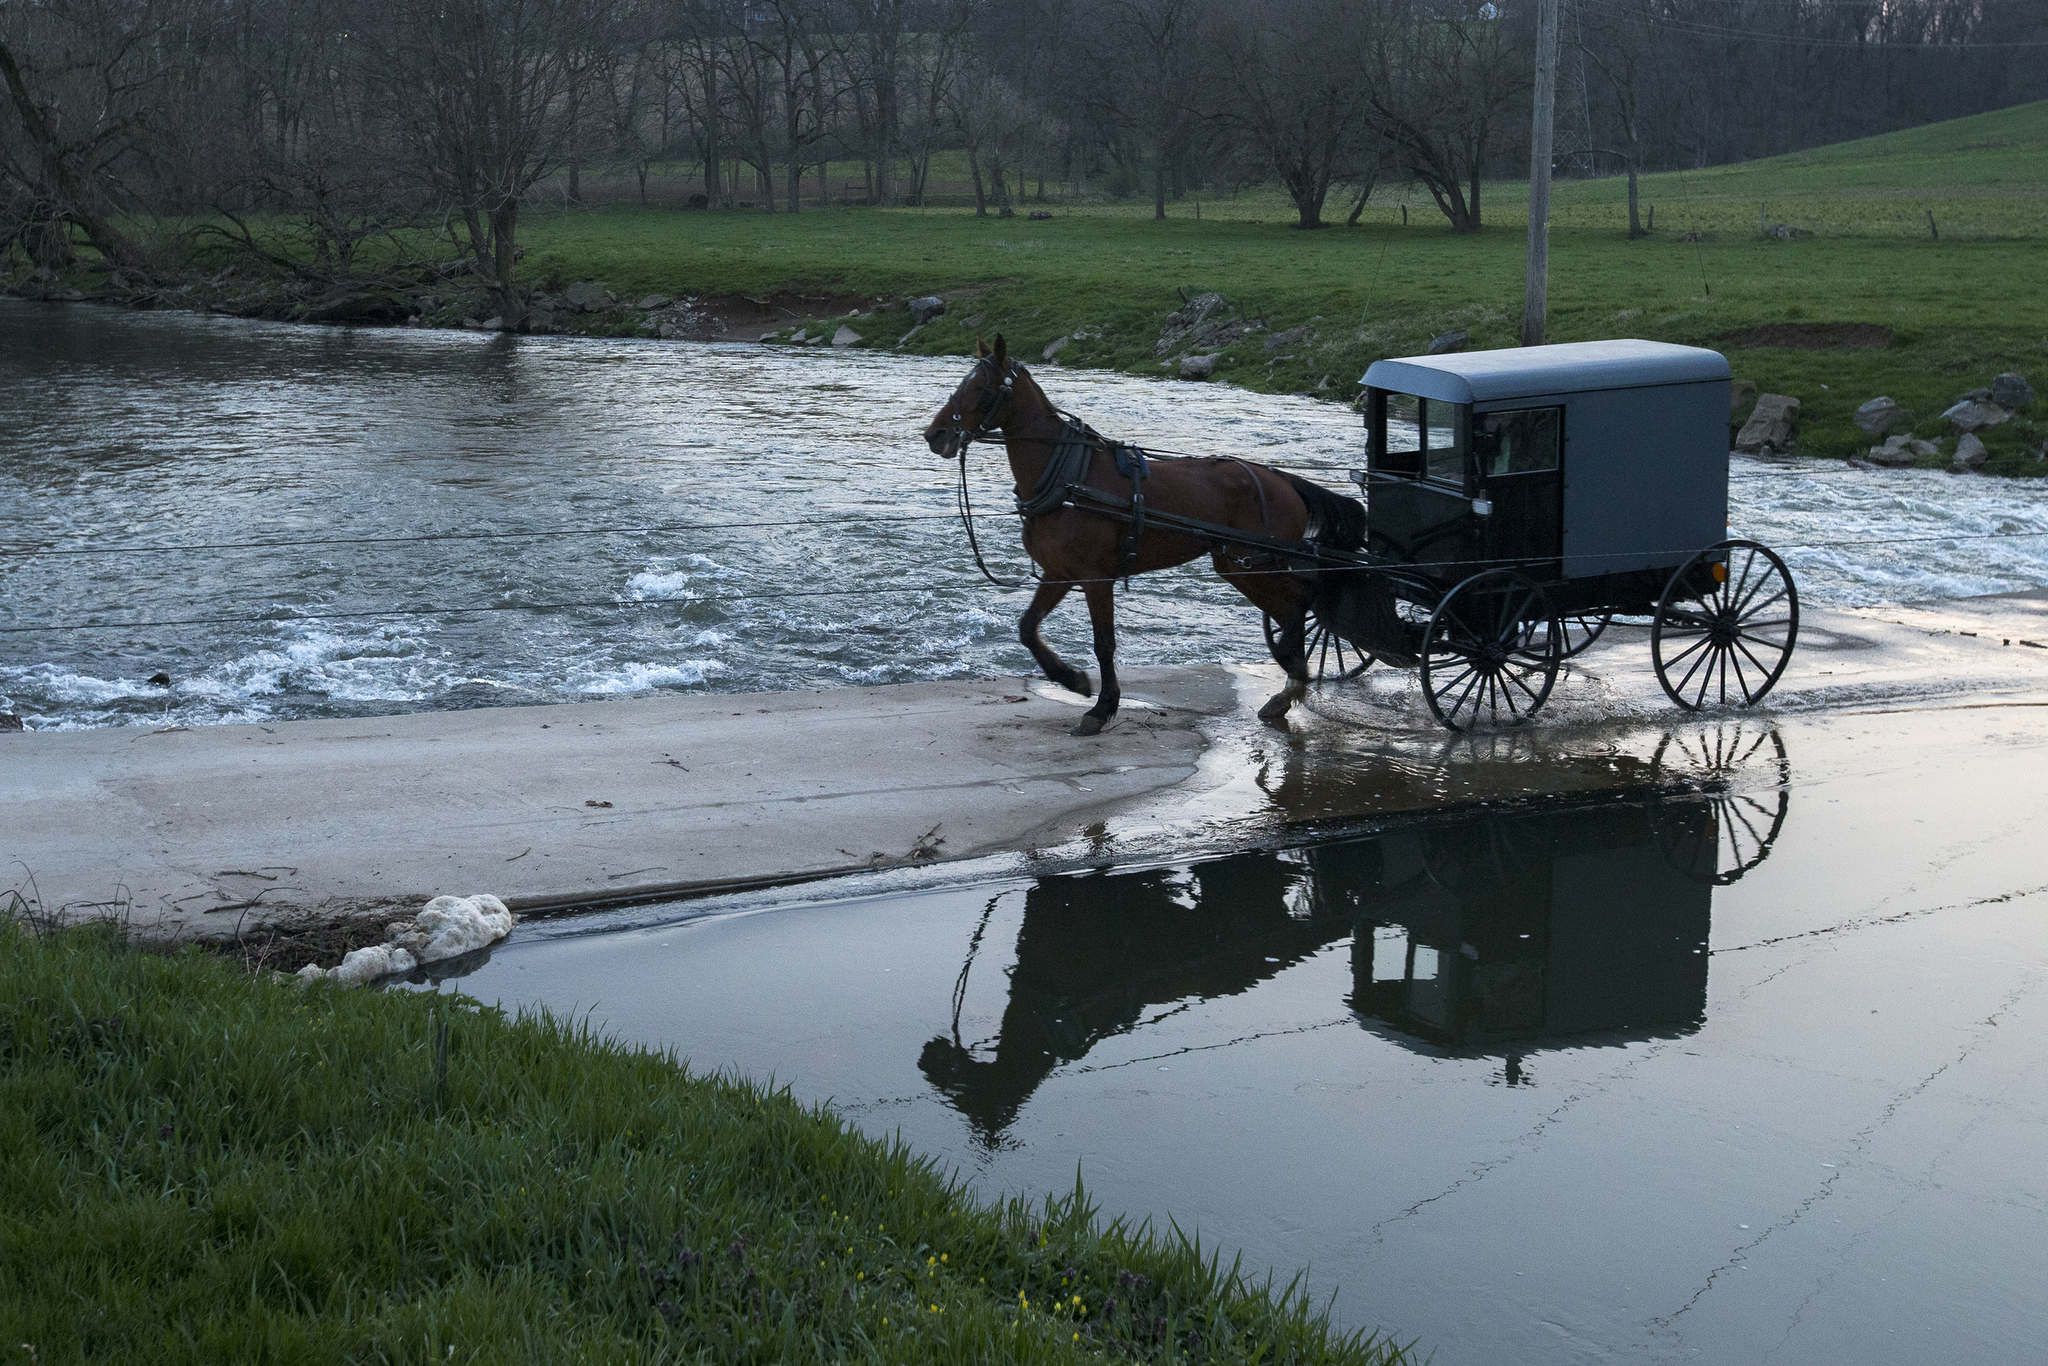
point(1081, 547)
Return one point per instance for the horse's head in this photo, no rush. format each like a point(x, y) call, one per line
point(982, 403)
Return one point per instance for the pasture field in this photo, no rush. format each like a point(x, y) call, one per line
point(1861, 301)
point(205, 1166)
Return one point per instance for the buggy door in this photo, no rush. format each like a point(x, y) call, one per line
point(1517, 455)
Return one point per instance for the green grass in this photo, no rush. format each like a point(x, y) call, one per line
point(202, 1165)
point(1959, 310)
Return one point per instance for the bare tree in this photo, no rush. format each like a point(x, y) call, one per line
point(1148, 52)
point(1297, 95)
point(1446, 76)
point(80, 82)
point(484, 95)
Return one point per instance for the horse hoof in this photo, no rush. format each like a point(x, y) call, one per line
point(1077, 681)
point(1090, 724)
point(1275, 710)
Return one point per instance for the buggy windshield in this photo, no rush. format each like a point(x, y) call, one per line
point(1418, 438)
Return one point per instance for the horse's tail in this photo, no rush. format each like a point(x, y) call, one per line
point(1333, 520)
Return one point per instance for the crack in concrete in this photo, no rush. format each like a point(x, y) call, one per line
point(1868, 922)
point(1667, 1324)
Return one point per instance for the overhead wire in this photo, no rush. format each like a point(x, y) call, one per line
point(642, 604)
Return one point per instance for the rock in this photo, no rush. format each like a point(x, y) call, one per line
point(1970, 453)
point(2012, 392)
point(9, 721)
point(159, 679)
point(1741, 398)
point(1040, 215)
point(1207, 322)
point(585, 295)
point(1974, 414)
point(491, 324)
point(923, 310)
point(1902, 450)
point(1448, 341)
point(1785, 232)
point(1880, 415)
point(1771, 426)
point(649, 303)
point(1197, 367)
point(1974, 396)
point(1292, 336)
point(798, 337)
point(845, 336)
point(1054, 347)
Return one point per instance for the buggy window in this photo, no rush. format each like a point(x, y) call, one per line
point(1414, 436)
point(1524, 441)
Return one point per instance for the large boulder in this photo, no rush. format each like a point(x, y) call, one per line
point(1054, 347)
point(925, 308)
point(845, 336)
point(1880, 415)
point(1970, 453)
point(2012, 392)
point(1974, 415)
point(650, 303)
point(1197, 367)
point(1772, 425)
point(1902, 450)
point(9, 722)
point(585, 295)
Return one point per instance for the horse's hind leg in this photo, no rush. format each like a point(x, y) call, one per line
point(1102, 616)
point(1291, 653)
point(1058, 670)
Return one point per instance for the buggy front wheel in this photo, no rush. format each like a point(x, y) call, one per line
point(1729, 615)
point(1491, 651)
point(1331, 658)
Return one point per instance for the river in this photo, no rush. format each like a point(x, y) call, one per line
point(809, 540)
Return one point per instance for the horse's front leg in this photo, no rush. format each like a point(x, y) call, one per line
point(1058, 670)
point(1101, 596)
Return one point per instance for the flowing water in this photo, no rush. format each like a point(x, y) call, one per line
point(809, 536)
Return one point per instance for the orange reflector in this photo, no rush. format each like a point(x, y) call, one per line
point(1720, 573)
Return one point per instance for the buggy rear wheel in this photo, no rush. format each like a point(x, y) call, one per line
point(1730, 612)
point(1491, 651)
point(1331, 658)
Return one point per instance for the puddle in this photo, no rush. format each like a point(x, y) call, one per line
point(1726, 1046)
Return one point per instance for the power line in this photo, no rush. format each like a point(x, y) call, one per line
point(621, 604)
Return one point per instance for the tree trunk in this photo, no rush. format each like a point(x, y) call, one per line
point(1635, 226)
point(576, 180)
point(504, 257)
point(796, 185)
point(980, 198)
point(73, 198)
point(1159, 186)
point(1004, 209)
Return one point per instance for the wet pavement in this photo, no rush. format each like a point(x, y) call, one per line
point(1718, 1041)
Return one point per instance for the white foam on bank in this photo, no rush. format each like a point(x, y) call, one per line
point(446, 927)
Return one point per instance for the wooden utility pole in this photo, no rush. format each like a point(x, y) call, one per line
point(1537, 290)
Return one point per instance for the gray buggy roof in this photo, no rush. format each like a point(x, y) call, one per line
point(1533, 371)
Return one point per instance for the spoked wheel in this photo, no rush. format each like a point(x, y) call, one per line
point(1582, 631)
point(1491, 651)
point(1729, 615)
point(1331, 658)
point(1744, 778)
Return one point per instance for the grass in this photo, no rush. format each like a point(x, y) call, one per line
point(203, 1165)
point(1958, 310)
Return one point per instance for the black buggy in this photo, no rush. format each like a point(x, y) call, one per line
point(1518, 501)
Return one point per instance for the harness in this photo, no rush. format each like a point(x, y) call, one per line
point(1065, 476)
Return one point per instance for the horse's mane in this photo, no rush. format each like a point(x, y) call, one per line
point(1342, 519)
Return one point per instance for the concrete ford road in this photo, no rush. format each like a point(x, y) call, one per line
point(203, 833)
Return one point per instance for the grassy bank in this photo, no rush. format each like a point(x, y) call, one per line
point(202, 1165)
point(1938, 316)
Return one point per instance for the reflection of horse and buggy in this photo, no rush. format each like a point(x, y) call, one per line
point(1515, 502)
point(1496, 933)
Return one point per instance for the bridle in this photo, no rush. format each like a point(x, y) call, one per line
point(993, 398)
